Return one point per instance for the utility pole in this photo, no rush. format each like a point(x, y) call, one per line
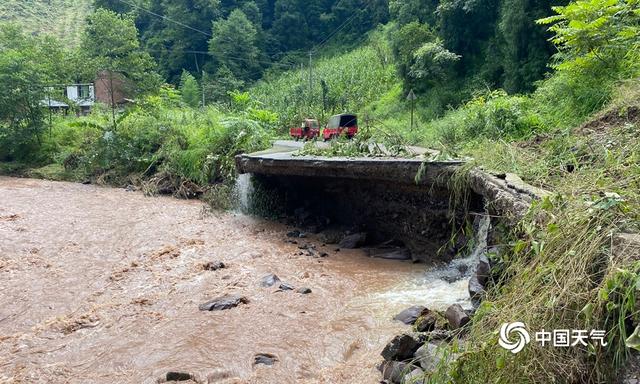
point(310, 80)
point(202, 86)
point(412, 97)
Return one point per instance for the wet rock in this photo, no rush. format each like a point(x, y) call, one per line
point(270, 280)
point(483, 270)
point(223, 302)
point(178, 376)
point(213, 265)
point(304, 290)
point(265, 359)
point(427, 356)
point(411, 314)
point(456, 316)
point(401, 347)
point(426, 322)
point(286, 287)
point(390, 253)
point(394, 371)
point(476, 290)
point(414, 377)
point(353, 241)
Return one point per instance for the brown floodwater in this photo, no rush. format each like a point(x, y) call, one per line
point(102, 285)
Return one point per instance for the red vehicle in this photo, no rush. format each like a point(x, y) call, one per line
point(308, 130)
point(341, 124)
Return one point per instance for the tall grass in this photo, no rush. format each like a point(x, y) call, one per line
point(343, 83)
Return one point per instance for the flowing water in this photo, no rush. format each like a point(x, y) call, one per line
point(101, 285)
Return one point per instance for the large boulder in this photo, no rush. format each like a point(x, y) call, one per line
point(401, 347)
point(411, 314)
point(395, 371)
point(456, 316)
point(223, 302)
point(353, 241)
point(414, 377)
point(483, 270)
point(427, 357)
point(476, 289)
point(426, 322)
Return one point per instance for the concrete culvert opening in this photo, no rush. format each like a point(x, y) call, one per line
point(393, 220)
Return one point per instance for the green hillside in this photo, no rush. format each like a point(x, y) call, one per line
point(62, 18)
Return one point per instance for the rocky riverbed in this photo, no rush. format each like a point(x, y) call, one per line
point(102, 285)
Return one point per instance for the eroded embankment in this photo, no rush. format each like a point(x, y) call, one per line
point(101, 285)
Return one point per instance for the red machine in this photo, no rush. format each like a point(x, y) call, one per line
point(308, 130)
point(341, 124)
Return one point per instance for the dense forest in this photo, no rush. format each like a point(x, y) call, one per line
point(466, 45)
point(545, 89)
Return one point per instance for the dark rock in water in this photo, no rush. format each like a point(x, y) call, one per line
point(270, 280)
point(331, 236)
point(427, 357)
point(304, 290)
point(286, 287)
point(476, 290)
point(178, 376)
point(353, 241)
point(483, 271)
point(411, 314)
point(294, 233)
point(414, 377)
point(390, 253)
point(426, 322)
point(456, 316)
point(401, 347)
point(223, 302)
point(394, 371)
point(265, 358)
point(214, 265)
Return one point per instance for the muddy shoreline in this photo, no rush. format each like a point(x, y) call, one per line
point(102, 285)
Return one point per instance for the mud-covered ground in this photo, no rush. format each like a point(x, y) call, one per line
point(101, 285)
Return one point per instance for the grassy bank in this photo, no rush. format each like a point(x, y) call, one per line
point(160, 145)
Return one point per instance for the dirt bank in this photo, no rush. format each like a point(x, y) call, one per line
point(102, 285)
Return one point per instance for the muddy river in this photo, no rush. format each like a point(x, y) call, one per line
point(102, 285)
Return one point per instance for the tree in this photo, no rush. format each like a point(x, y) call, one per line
point(217, 88)
point(432, 62)
point(405, 42)
point(29, 66)
point(596, 34)
point(234, 45)
point(111, 45)
point(190, 90)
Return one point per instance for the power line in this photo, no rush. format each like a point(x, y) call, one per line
point(202, 32)
point(166, 18)
point(335, 31)
point(168, 50)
